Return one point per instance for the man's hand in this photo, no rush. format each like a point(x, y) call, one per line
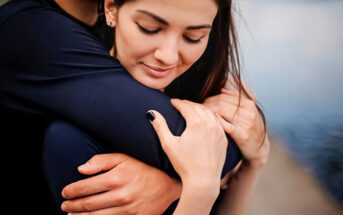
point(127, 187)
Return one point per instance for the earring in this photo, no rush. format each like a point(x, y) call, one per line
point(109, 24)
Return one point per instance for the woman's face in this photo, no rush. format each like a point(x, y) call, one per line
point(158, 40)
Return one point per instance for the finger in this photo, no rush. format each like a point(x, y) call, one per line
point(106, 211)
point(160, 126)
point(228, 127)
point(185, 108)
point(95, 202)
point(89, 186)
point(101, 162)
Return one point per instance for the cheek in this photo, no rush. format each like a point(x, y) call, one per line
point(131, 45)
point(192, 54)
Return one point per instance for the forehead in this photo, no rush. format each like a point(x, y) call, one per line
point(173, 10)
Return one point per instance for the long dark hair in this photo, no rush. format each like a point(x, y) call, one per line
point(209, 74)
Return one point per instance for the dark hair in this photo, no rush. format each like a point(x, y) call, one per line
point(220, 61)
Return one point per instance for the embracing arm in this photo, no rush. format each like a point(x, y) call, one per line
point(66, 72)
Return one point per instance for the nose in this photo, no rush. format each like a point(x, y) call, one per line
point(168, 52)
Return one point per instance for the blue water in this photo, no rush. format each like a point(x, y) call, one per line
point(293, 59)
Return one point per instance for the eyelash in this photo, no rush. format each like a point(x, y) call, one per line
point(144, 30)
point(148, 31)
point(190, 40)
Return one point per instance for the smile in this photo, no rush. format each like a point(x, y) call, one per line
point(157, 72)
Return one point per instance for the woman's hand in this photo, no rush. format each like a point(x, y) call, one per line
point(198, 155)
point(127, 187)
point(243, 123)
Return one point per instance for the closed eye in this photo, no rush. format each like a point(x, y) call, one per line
point(192, 40)
point(144, 30)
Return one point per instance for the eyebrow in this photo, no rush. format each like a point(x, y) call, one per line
point(164, 22)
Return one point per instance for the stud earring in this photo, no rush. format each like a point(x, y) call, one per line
point(109, 24)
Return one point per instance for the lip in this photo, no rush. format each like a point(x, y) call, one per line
point(157, 72)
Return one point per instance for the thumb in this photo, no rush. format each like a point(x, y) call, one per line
point(161, 127)
point(101, 162)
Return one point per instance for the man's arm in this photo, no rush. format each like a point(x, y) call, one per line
point(58, 68)
point(62, 70)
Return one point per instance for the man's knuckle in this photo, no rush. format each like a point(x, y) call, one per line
point(113, 181)
point(81, 189)
point(89, 205)
point(123, 198)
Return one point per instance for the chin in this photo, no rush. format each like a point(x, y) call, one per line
point(157, 84)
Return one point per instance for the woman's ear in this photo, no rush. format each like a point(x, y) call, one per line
point(110, 13)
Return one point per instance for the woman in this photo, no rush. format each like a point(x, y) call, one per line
point(135, 60)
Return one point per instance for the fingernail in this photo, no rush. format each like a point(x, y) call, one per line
point(63, 194)
point(84, 167)
point(64, 207)
point(150, 115)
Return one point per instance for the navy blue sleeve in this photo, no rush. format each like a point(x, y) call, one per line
point(66, 147)
point(50, 65)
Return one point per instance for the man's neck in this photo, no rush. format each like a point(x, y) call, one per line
point(85, 11)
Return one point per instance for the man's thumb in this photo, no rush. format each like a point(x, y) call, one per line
point(101, 162)
point(160, 126)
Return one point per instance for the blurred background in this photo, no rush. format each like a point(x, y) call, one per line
point(292, 52)
point(292, 55)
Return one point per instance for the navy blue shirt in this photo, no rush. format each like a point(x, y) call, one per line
point(52, 66)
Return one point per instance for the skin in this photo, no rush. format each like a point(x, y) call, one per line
point(202, 146)
point(170, 43)
point(246, 129)
point(83, 10)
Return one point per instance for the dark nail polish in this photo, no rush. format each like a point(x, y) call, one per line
point(150, 115)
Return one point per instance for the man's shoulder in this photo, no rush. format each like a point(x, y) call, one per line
point(27, 7)
point(32, 12)
point(45, 29)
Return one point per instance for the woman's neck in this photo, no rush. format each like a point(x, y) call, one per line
point(85, 11)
